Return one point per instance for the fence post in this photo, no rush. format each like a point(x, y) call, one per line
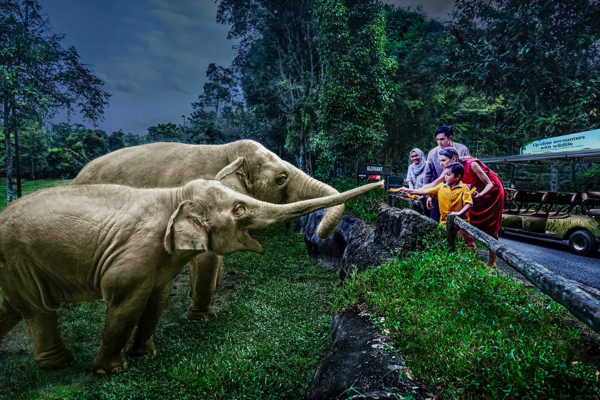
point(451, 229)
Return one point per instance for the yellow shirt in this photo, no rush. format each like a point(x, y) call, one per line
point(451, 199)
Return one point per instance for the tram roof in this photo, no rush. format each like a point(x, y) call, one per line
point(590, 155)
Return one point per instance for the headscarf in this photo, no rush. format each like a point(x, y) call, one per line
point(416, 172)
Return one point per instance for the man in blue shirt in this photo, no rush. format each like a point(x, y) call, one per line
point(443, 137)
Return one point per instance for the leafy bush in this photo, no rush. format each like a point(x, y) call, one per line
point(589, 179)
point(471, 334)
point(365, 206)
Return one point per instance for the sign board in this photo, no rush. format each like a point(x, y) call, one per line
point(575, 141)
point(372, 171)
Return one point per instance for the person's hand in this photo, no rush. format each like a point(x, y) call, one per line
point(418, 198)
point(455, 213)
point(429, 203)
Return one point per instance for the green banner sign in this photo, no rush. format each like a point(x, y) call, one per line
point(575, 141)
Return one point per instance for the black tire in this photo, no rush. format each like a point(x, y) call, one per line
point(583, 243)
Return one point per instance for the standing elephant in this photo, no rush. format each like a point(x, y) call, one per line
point(123, 245)
point(245, 166)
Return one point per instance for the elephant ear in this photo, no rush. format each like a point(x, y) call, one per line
point(234, 176)
point(186, 230)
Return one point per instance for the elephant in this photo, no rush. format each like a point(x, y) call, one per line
point(245, 166)
point(122, 245)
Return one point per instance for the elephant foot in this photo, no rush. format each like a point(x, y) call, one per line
point(198, 314)
point(61, 358)
point(145, 350)
point(114, 366)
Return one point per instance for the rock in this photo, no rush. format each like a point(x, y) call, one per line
point(328, 252)
point(398, 232)
point(361, 363)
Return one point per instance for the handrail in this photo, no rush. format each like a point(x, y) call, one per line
point(582, 305)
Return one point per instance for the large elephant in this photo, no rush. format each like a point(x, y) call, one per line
point(245, 166)
point(123, 245)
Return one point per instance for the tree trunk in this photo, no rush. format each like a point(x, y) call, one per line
point(18, 162)
point(7, 148)
point(31, 155)
point(301, 159)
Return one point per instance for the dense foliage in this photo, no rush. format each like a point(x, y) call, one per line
point(538, 58)
point(38, 77)
point(326, 83)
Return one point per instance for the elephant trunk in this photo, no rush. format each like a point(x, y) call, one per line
point(270, 214)
point(306, 188)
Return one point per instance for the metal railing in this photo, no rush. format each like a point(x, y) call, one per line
point(582, 305)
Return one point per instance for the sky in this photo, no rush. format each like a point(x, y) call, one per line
point(153, 54)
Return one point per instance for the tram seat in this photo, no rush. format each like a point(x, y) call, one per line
point(536, 201)
point(588, 201)
point(509, 196)
point(516, 198)
point(566, 203)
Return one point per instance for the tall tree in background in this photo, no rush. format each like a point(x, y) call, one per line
point(540, 56)
point(358, 87)
point(280, 68)
point(37, 75)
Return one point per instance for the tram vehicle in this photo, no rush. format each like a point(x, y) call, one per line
point(570, 216)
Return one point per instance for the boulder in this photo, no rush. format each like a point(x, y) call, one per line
point(398, 232)
point(329, 252)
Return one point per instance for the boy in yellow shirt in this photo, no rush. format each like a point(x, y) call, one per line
point(454, 198)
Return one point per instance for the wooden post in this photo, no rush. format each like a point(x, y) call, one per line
point(451, 230)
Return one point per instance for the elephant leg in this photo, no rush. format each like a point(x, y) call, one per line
point(9, 318)
point(126, 301)
point(49, 349)
point(205, 272)
point(141, 344)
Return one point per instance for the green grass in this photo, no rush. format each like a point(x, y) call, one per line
point(29, 187)
point(470, 334)
point(266, 343)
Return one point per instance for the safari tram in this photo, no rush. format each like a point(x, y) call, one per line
point(552, 214)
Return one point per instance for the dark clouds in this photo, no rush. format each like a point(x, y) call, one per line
point(153, 54)
point(433, 8)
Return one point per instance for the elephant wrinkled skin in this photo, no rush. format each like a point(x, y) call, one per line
point(245, 166)
point(125, 246)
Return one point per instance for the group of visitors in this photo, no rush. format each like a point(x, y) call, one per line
point(453, 182)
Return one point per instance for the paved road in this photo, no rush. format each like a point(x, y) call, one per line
point(557, 257)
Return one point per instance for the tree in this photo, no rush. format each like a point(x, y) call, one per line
point(358, 87)
point(220, 90)
point(539, 57)
point(280, 68)
point(37, 75)
point(116, 140)
point(163, 133)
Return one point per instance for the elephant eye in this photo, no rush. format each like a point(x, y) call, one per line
point(281, 179)
point(239, 210)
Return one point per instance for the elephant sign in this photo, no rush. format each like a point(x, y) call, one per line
point(245, 166)
point(123, 245)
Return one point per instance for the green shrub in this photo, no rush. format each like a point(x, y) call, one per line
point(365, 206)
point(472, 334)
point(589, 179)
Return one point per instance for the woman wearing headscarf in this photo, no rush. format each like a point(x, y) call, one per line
point(416, 173)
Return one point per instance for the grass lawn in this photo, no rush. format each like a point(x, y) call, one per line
point(469, 334)
point(273, 329)
point(30, 187)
